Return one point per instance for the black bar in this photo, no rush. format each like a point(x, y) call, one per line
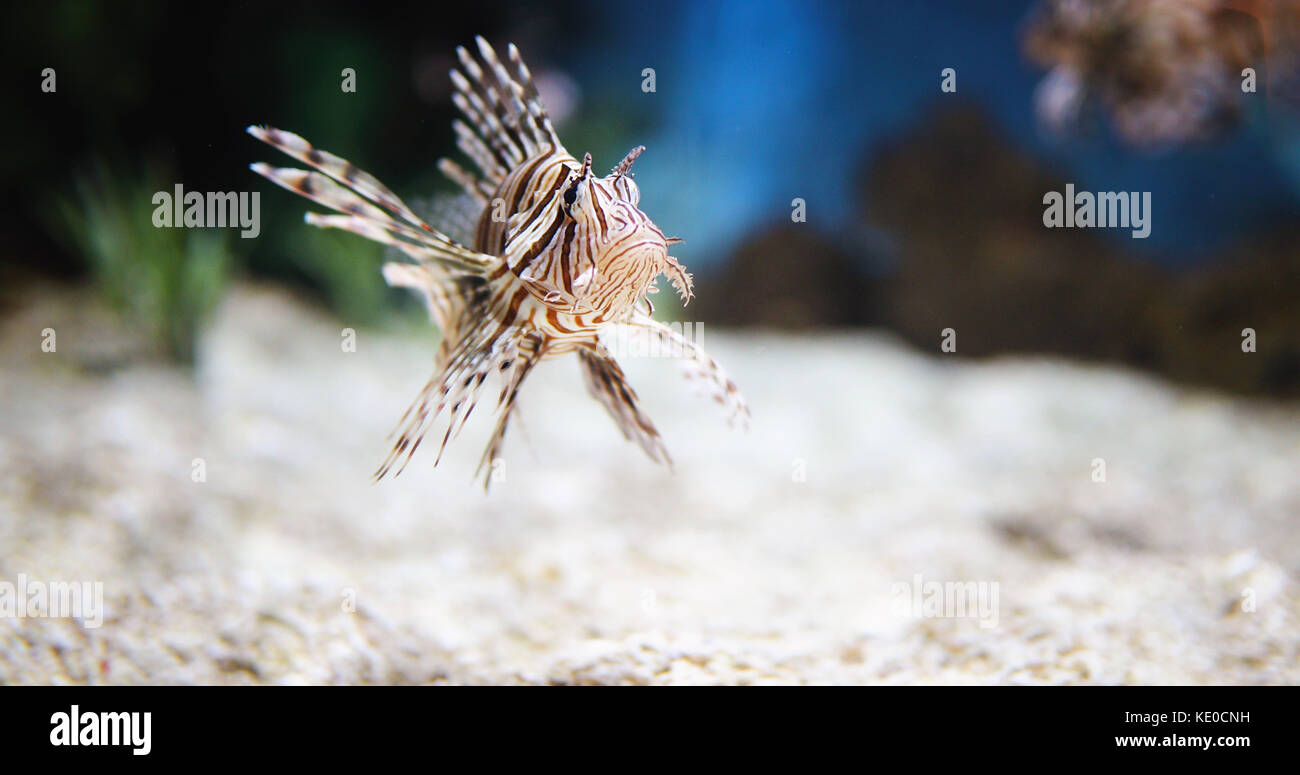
point(228, 724)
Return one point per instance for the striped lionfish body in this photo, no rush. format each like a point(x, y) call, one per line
point(559, 256)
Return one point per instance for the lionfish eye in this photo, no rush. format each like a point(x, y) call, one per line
point(571, 195)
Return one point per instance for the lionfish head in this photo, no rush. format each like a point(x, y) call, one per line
point(627, 250)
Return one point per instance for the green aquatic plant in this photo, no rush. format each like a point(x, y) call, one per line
point(347, 273)
point(165, 281)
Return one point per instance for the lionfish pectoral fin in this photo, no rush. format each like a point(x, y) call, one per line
point(492, 460)
point(700, 368)
point(455, 388)
point(515, 367)
point(372, 211)
point(607, 384)
point(442, 299)
point(402, 275)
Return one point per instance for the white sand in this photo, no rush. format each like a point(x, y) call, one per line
point(591, 564)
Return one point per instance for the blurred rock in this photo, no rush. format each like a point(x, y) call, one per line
point(964, 207)
point(1256, 286)
point(789, 276)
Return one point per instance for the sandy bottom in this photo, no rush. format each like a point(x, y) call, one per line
point(795, 552)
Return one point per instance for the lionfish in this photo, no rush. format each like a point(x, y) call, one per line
point(559, 257)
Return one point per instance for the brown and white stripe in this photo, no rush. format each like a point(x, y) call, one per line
point(559, 256)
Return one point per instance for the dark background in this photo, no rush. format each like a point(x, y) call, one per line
point(924, 208)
